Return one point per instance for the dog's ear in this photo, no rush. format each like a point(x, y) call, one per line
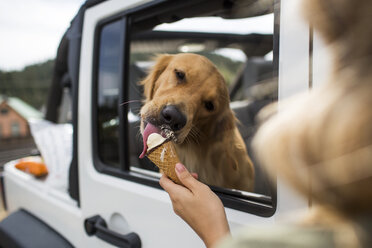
point(227, 157)
point(232, 161)
point(226, 125)
point(224, 122)
point(148, 83)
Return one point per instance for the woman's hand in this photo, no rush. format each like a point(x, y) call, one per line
point(196, 204)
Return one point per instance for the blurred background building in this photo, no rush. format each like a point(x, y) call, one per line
point(14, 114)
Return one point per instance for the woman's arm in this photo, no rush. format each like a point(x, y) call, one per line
point(198, 206)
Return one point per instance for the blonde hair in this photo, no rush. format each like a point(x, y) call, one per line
point(327, 132)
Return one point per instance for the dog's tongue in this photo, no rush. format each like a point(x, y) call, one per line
point(149, 129)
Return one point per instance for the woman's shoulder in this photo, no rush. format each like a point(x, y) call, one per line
point(281, 236)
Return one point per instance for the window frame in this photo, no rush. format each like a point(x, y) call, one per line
point(101, 166)
point(4, 111)
point(260, 207)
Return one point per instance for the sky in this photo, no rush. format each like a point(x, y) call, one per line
point(30, 30)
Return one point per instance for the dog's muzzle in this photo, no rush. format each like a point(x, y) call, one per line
point(172, 117)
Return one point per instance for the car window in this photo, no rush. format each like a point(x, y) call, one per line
point(241, 44)
point(108, 80)
point(243, 57)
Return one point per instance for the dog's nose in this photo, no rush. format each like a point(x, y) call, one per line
point(173, 117)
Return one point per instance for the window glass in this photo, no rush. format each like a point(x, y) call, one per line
point(241, 49)
point(108, 80)
point(4, 111)
point(15, 129)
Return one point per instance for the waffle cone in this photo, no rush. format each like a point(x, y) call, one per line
point(165, 157)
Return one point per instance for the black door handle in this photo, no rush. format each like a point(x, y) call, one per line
point(96, 225)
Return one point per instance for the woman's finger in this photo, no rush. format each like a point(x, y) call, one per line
point(170, 187)
point(185, 177)
point(195, 175)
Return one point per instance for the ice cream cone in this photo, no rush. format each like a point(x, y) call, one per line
point(165, 157)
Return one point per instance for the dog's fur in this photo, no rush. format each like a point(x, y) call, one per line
point(327, 133)
point(210, 143)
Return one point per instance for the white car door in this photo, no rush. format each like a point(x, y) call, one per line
point(112, 183)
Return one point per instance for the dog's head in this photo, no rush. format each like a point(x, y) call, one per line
point(186, 98)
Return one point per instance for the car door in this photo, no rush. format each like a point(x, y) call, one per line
point(120, 194)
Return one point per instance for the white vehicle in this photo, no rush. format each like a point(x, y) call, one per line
point(111, 198)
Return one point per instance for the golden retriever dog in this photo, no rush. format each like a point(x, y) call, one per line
point(187, 100)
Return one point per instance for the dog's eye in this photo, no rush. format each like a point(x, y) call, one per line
point(180, 75)
point(209, 106)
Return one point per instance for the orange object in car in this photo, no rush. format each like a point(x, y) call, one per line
point(37, 169)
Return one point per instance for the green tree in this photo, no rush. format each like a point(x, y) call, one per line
point(30, 84)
